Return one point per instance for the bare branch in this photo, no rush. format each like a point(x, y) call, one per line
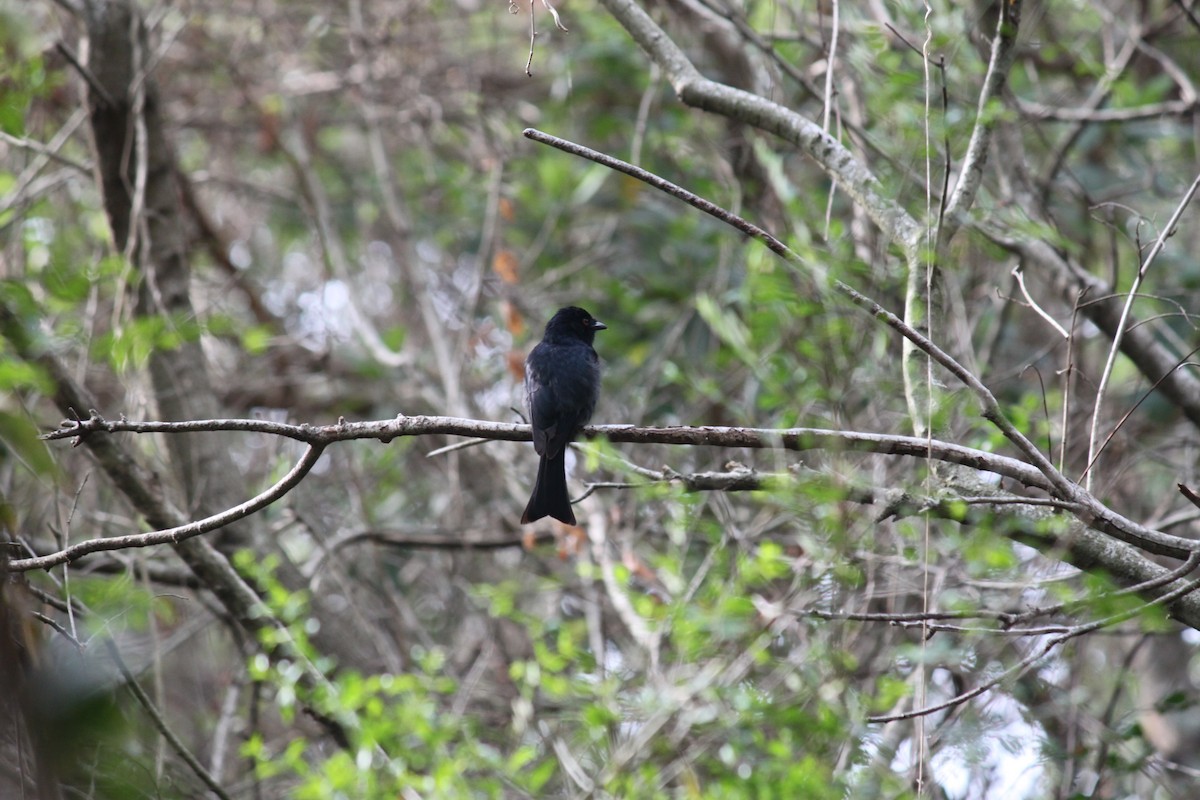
point(1035, 110)
point(696, 91)
point(1167, 231)
point(676, 191)
point(1040, 475)
point(178, 533)
point(1041, 652)
point(1004, 52)
point(1041, 312)
point(797, 439)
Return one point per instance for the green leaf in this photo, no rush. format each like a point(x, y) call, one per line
point(21, 437)
point(542, 774)
point(256, 339)
point(728, 327)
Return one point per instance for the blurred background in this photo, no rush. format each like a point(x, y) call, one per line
point(302, 211)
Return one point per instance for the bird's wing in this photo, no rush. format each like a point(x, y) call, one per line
point(540, 401)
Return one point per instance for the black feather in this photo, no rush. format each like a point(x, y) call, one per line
point(562, 384)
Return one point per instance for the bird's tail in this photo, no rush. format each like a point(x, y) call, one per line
point(550, 497)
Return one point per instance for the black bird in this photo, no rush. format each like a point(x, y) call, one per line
point(562, 383)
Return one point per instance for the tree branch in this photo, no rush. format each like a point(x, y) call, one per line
point(696, 201)
point(798, 439)
point(1095, 514)
point(178, 533)
point(1004, 52)
point(1139, 343)
point(141, 487)
point(699, 92)
point(1034, 110)
point(1041, 652)
point(1090, 511)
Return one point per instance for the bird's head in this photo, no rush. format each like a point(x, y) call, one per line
point(573, 322)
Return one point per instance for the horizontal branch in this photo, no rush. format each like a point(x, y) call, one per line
point(1035, 110)
point(797, 439)
point(1084, 549)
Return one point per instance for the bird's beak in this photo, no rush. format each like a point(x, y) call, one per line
point(597, 325)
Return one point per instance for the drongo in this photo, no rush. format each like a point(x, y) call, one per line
point(562, 383)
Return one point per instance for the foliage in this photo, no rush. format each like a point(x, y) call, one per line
point(368, 234)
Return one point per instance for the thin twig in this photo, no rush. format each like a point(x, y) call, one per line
point(676, 191)
point(558, 23)
point(88, 77)
point(450, 448)
point(160, 723)
point(1020, 276)
point(138, 224)
point(51, 151)
point(1068, 383)
point(830, 58)
point(1167, 231)
point(1026, 663)
point(532, 39)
